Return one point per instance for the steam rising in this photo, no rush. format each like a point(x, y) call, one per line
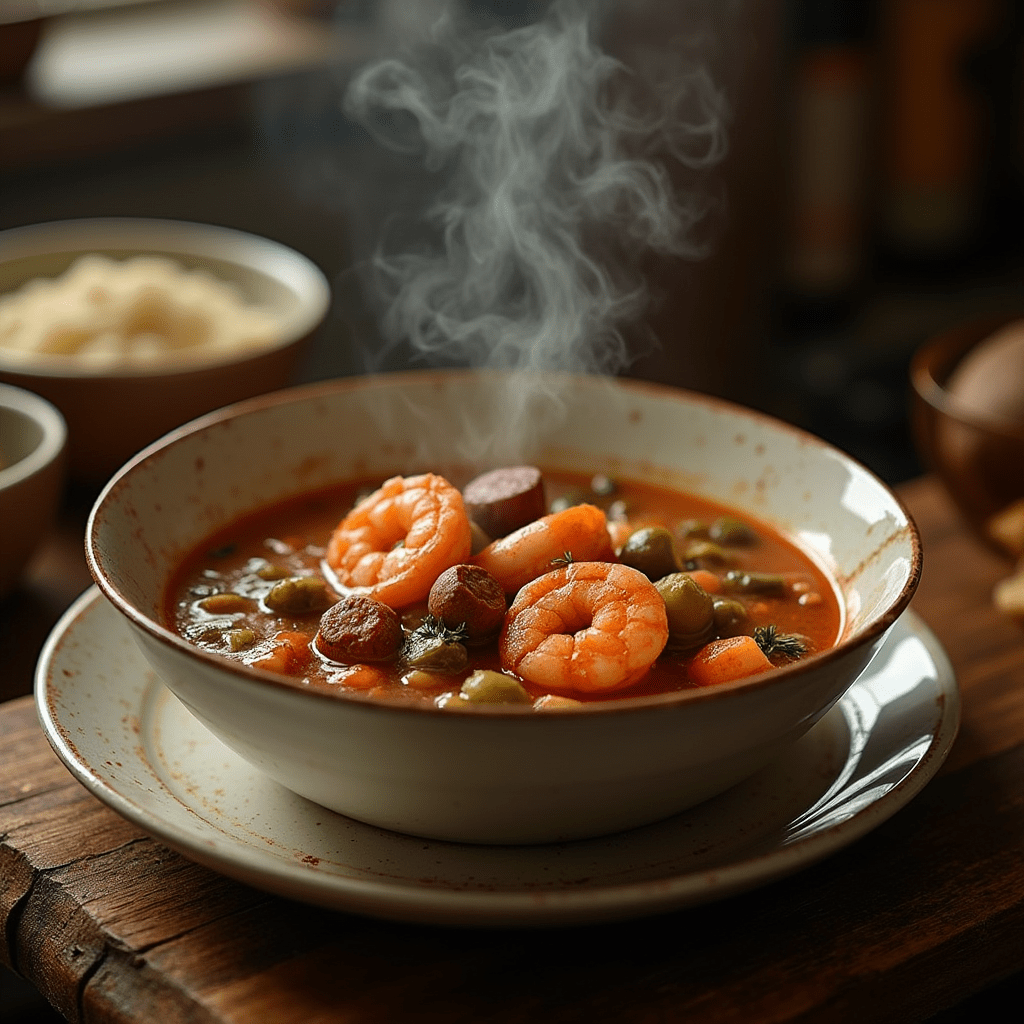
point(557, 164)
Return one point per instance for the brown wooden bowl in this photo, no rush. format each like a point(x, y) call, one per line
point(19, 40)
point(979, 458)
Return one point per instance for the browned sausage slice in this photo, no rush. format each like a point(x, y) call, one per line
point(503, 500)
point(470, 597)
point(357, 629)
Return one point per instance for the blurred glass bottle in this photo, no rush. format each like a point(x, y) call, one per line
point(709, 317)
point(829, 142)
point(937, 126)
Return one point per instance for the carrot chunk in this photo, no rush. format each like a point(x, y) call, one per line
point(710, 583)
point(730, 658)
point(289, 655)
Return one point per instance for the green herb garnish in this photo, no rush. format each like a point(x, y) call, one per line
point(433, 628)
point(776, 644)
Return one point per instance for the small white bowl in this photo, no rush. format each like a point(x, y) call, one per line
point(32, 448)
point(113, 411)
point(502, 776)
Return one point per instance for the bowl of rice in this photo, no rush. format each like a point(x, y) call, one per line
point(132, 327)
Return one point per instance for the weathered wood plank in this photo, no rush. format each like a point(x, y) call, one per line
point(986, 649)
point(946, 874)
point(851, 936)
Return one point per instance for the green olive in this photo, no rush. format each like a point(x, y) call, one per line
point(271, 572)
point(298, 596)
point(690, 609)
point(651, 550)
point(743, 582)
point(452, 701)
point(731, 618)
point(433, 654)
point(239, 639)
point(224, 604)
point(691, 529)
point(733, 532)
point(706, 552)
point(488, 687)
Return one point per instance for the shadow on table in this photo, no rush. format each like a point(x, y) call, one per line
point(20, 1003)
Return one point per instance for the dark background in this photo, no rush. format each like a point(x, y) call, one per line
point(818, 289)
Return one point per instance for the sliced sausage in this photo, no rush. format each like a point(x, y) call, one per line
point(503, 500)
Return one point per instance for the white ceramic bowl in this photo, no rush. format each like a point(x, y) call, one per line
point(32, 460)
point(503, 776)
point(113, 411)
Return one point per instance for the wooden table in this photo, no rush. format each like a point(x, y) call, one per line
point(917, 916)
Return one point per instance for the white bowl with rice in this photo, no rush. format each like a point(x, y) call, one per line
point(134, 326)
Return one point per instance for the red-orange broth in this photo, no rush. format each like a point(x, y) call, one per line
point(289, 539)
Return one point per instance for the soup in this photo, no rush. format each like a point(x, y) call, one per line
point(544, 589)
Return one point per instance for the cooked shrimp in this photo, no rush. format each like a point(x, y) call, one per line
point(396, 542)
point(590, 627)
point(579, 531)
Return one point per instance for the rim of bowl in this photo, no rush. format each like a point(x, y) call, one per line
point(49, 418)
point(934, 361)
point(618, 705)
point(166, 237)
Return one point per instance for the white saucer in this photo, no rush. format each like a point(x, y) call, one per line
point(135, 747)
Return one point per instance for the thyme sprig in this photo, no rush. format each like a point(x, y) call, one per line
point(776, 644)
point(563, 561)
point(433, 628)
